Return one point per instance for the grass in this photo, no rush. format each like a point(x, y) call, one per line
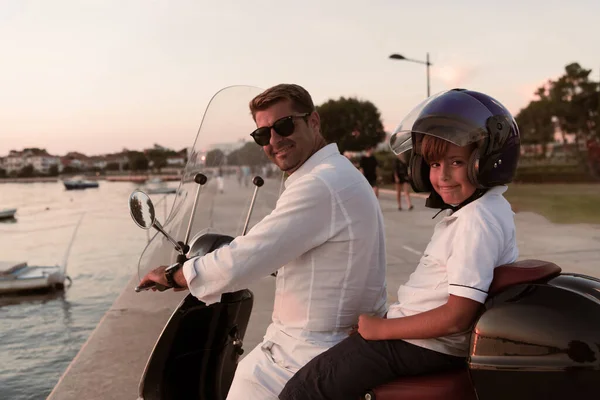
point(560, 203)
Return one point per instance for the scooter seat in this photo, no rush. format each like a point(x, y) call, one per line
point(522, 272)
point(452, 385)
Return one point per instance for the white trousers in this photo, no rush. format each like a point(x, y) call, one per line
point(263, 373)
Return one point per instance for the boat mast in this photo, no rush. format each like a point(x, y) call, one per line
point(64, 263)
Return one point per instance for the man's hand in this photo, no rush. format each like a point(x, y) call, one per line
point(371, 328)
point(158, 276)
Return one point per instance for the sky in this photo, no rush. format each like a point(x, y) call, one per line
point(97, 76)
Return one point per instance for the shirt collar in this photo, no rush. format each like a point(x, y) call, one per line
point(314, 160)
point(494, 191)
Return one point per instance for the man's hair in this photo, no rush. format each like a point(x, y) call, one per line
point(299, 97)
point(434, 149)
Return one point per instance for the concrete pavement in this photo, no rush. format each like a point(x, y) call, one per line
point(111, 362)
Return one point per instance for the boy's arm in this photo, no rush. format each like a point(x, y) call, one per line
point(455, 316)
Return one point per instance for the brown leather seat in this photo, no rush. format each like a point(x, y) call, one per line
point(452, 385)
point(456, 385)
point(522, 272)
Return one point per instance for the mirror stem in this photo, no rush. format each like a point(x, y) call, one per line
point(200, 179)
point(159, 228)
point(258, 182)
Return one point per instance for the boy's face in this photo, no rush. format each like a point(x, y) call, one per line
point(449, 176)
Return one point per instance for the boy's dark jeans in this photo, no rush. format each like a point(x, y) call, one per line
point(355, 365)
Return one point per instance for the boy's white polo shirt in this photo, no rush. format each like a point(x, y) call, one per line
point(460, 259)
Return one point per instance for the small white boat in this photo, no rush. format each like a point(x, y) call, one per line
point(7, 213)
point(16, 277)
point(158, 186)
point(78, 182)
point(19, 277)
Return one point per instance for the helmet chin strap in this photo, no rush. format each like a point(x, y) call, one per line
point(435, 201)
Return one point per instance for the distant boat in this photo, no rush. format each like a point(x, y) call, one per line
point(18, 277)
point(78, 183)
point(158, 186)
point(7, 213)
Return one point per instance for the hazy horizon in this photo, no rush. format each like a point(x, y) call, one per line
point(99, 76)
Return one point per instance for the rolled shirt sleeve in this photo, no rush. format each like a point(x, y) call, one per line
point(476, 252)
point(302, 220)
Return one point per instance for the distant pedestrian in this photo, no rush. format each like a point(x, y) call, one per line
point(368, 167)
point(220, 181)
point(246, 175)
point(401, 179)
point(238, 174)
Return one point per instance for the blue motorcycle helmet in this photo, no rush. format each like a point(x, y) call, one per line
point(462, 117)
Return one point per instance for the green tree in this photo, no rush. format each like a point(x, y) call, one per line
point(53, 170)
point(27, 171)
point(535, 120)
point(351, 123)
point(249, 154)
point(575, 99)
point(112, 166)
point(70, 170)
point(570, 103)
point(137, 161)
point(158, 156)
point(215, 158)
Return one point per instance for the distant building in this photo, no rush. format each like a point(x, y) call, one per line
point(76, 160)
point(117, 158)
point(38, 158)
point(176, 161)
point(98, 162)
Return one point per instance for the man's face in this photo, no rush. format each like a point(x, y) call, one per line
point(449, 176)
point(290, 152)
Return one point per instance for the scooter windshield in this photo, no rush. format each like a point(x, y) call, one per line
point(225, 153)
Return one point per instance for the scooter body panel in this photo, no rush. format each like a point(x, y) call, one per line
point(539, 340)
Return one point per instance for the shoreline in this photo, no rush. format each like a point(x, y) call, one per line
point(108, 178)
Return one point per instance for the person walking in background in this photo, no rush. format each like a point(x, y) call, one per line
point(368, 167)
point(220, 181)
point(401, 180)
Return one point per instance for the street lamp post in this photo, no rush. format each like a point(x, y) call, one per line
point(427, 63)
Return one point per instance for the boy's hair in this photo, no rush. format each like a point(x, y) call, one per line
point(433, 148)
point(300, 98)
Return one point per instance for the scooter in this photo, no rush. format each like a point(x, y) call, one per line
point(538, 336)
point(197, 352)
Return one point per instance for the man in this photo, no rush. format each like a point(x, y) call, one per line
point(325, 239)
point(368, 167)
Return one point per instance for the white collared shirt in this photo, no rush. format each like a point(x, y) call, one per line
point(460, 260)
point(325, 238)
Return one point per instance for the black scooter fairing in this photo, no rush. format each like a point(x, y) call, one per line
point(197, 352)
point(539, 340)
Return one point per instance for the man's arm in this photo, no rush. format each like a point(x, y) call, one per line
point(456, 316)
point(300, 222)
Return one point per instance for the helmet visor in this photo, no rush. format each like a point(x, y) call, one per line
point(452, 115)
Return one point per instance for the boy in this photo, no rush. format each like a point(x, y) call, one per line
point(465, 148)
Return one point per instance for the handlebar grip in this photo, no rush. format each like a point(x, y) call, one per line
point(150, 285)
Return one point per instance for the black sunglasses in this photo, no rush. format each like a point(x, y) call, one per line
point(283, 126)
